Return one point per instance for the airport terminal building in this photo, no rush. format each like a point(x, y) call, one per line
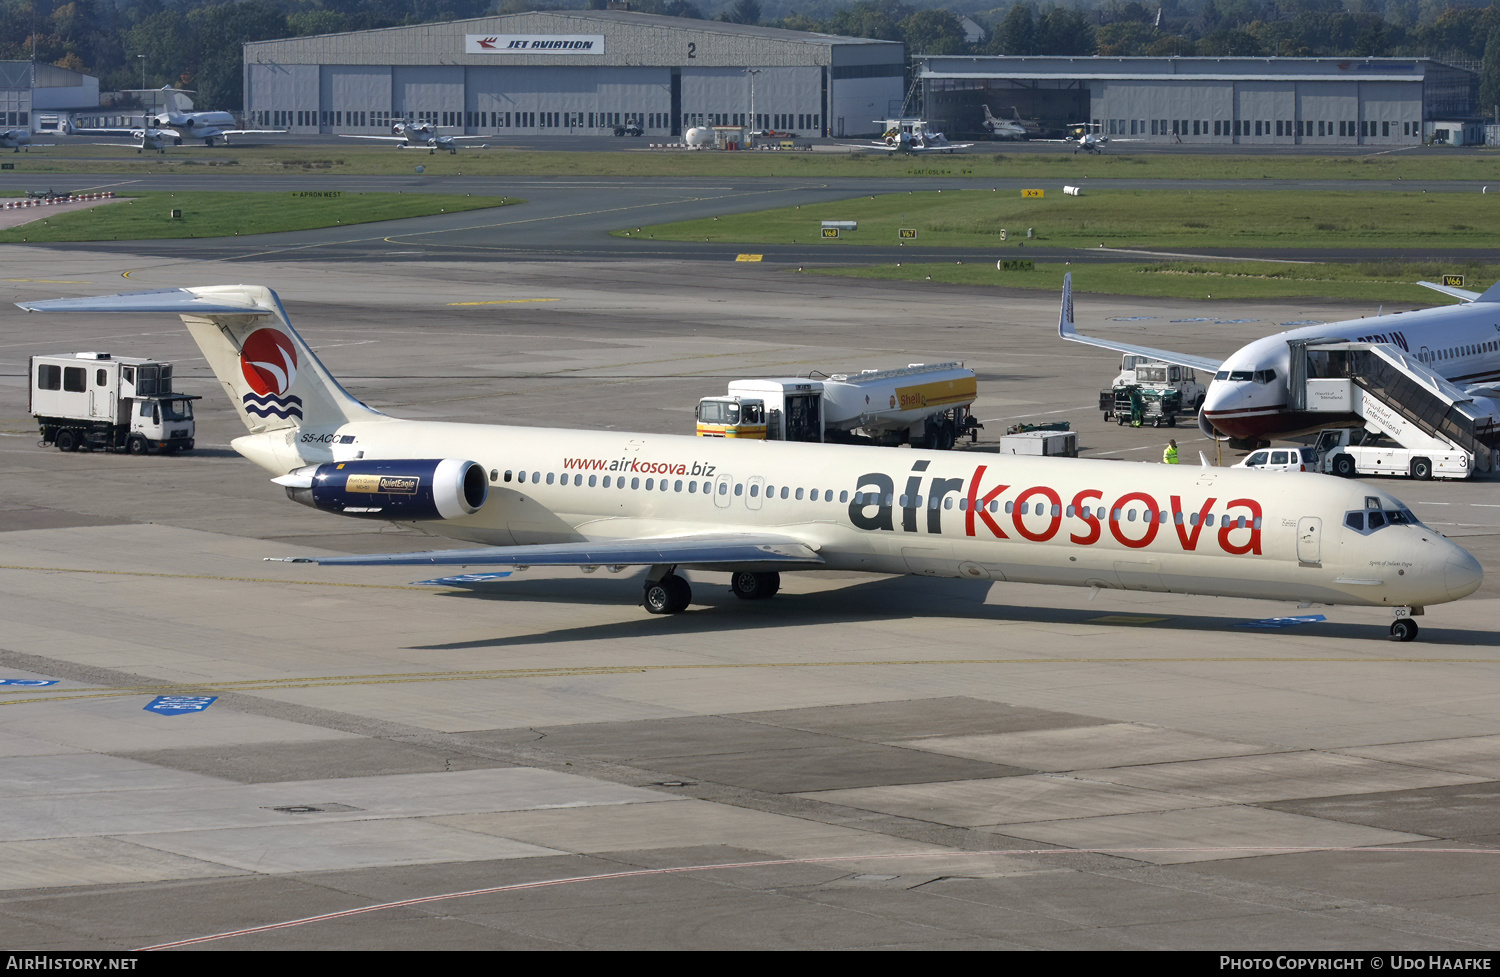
point(1214, 101)
point(574, 72)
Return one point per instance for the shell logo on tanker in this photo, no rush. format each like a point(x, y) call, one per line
point(1039, 514)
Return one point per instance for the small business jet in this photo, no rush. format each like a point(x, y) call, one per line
point(912, 136)
point(1012, 128)
point(418, 135)
point(1248, 399)
point(156, 140)
point(182, 121)
point(14, 139)
point(547, 497)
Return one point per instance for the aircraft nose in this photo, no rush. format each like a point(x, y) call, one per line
point(1463, 574)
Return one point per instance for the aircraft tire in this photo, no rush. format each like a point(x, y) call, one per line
point(1344, 467)
point(1403, 629)
point(669, 595)
point(754, 586)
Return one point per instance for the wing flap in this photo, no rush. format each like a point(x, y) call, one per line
point(698, 550)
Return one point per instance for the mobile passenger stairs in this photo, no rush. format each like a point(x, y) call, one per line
point(1438, 430)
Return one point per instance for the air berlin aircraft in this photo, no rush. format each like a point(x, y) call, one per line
point(1248, 399)
point(546, 497)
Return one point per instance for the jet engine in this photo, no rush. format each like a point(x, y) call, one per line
point(401, 488)
point(1207, 427)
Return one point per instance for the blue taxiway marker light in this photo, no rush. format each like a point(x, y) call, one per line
point(1272, 623)
point(177, 705)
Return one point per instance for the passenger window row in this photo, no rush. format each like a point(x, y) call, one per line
point(873, 498)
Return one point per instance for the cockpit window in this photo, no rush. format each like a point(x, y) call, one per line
point(1264, 376)
point(1240, 375)
point(1371, 519)
point(1222, 375)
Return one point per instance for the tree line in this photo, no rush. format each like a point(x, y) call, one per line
point(148, 43)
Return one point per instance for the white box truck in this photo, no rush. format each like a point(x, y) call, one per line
point(88, 401)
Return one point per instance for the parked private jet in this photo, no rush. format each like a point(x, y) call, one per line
point(1012, 128)
point(14, 139)
point(414, 135)
point(549, 497)
point(182, 121)
point(912, 136)
point(1247, 400)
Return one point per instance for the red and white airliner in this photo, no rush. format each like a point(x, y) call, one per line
point(1247, 401)
point(754, 510)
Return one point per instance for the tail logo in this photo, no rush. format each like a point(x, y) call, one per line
point(269, 362)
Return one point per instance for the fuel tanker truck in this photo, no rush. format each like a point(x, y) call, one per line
point(925, 405)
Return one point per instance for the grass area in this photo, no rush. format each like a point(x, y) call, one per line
point(1372, 282)
point(148, 215)
point(1155, 219)
point(349, 157)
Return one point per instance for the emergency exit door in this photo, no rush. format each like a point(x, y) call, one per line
point(1309, 541)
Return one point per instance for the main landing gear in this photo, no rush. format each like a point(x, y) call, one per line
point(667, 593)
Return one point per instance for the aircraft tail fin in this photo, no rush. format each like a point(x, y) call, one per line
point(1491, 294)
point(271, 375)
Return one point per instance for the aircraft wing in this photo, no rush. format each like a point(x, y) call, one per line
point(1066, 330)
point(1462, 294)
point(702, 549)
point(74, 131)
point(253, 132)
point(400, 139)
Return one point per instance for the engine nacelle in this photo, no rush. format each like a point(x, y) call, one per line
point(1207, 427)
point(400, 488)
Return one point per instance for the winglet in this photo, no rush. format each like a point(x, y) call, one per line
point(1065, 320)
point(1462, 294)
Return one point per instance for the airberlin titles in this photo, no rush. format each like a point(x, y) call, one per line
point(1038, 513)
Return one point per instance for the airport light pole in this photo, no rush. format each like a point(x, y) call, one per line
point(752, 72)
point(142, 58)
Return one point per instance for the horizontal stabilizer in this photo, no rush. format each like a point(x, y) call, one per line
point(702, 550)
point(178, 301)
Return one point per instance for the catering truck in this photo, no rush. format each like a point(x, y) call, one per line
point(112, 403)
point(925, 405)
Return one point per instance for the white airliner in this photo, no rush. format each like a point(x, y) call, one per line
point(184, 123)
point(413, 135)
point(1247, 401)
point(546, 497)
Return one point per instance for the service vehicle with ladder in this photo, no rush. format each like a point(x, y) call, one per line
point(87, 401)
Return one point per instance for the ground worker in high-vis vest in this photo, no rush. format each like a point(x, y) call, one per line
point(1169, 456)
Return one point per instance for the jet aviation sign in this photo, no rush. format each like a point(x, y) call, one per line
point(534, 44)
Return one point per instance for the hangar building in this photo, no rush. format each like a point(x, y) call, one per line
point(1212, 101)
point(28, 89)
point(573, 72)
